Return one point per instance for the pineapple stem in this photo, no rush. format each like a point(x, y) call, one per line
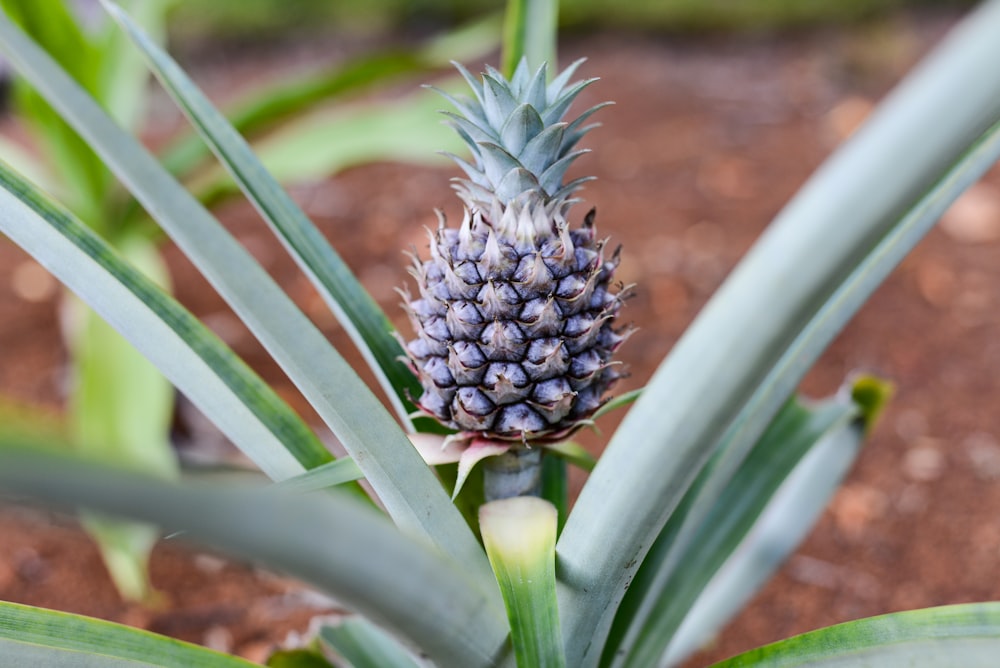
point(517, 472)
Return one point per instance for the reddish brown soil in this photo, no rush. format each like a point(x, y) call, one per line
point(708, 139)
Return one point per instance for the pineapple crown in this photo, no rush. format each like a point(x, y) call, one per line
point(520, 144)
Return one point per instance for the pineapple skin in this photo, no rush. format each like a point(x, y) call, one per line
point(515, 319)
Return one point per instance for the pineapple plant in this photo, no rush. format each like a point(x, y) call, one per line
point(515, 316)
point(717, 433)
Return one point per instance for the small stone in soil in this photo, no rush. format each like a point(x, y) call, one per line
point(911, 424)
point(936, 283)
point(728, 177)
point(207, 563)
point(923, 463)
point(670, 297)
point(32, 283)
point(912, 500)
point(7, 575)
point(855, 506)
point(974, 218)
point(136, 616)
point(29, 565)
point(218, 638)
point(984, 454)
point(848, 115)
point(258, 652)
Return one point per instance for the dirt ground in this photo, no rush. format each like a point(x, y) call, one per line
point(708, 139)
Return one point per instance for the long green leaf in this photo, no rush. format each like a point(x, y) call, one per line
point(407, 488)
point(364, 645)
point(323, 477)
point(193, 358)
point(123, 77)
point(120, 410)
point(357, 312)
point(797, 266)
point(331, 541)
point(780, 528)
point(956, 635)
point(573, 453)
point(530, 32)
point(816, 335)
point(406, 130)
point(790, 473)
point(645, 606)
point(32, 636)
point(125, 548)
point(617, 402)
point(121, 407)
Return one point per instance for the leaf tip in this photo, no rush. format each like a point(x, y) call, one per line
point(871, 394)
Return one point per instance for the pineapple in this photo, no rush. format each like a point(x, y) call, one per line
point(516, 311)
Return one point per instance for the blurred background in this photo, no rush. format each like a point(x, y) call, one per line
point(723, 109)
point(257, 19)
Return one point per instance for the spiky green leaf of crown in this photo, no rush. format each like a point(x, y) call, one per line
point(519, 141)
point(515, 316)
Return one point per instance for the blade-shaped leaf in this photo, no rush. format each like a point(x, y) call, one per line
point(955, 635)
point(498, 103)
point(529, 32)
point(32, 636)
point(790, 473)
point(121, 407)
point(574, 453)
point(407, 488)
point(360, 316)
point(783, 524)
point(797, 267)
point(120, 410)
point(520, 538)
point(520, 128)
point(540, 152)
point(472, 455)
point(327, 142)
point(364, 645)
point(617, 402)
point(125, 548)
point(123, 77)
point(323, 477)
point(193, 358)
point(866, 277)
point(331, 541)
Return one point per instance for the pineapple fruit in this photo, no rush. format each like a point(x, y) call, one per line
point(515, 318)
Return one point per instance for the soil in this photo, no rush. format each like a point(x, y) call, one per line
point(709, 137)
